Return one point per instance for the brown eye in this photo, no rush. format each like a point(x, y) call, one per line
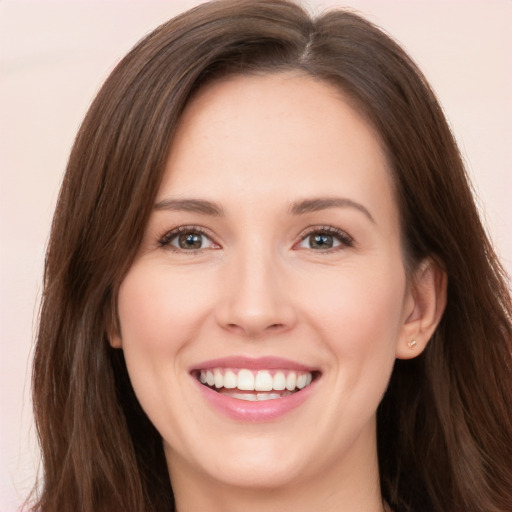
point(188, 240)
point(326, 238)
point(321, 241)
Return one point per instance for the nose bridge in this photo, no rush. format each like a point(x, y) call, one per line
point(254, 298)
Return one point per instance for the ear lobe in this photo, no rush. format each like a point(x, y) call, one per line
point(114, 332)
point(115, 341)
point(423, 310)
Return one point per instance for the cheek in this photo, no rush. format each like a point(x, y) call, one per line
point(158, 308)
point(159, 314)
point(360, 312)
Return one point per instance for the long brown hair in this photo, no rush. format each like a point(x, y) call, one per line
point(445, 423)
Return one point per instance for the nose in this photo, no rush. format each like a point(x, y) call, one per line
point(254, 299)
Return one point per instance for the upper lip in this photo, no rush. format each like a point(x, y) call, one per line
point(253, 363)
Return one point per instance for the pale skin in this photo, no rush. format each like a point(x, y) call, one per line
point(272, 162)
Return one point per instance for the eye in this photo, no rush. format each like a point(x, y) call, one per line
point(325, 238)
point(187, 239)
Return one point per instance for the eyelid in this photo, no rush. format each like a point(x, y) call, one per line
point(343, 237)
point(164, 241)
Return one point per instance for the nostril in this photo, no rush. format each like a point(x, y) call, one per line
point(255, 331)
point(235, 328)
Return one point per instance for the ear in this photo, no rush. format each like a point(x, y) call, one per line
point(423, 308)
point(115, 341)
point(114, 330)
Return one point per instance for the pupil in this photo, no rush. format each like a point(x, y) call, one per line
point(190, 241)
point(321, 241)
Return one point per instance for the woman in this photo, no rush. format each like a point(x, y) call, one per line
point(267, 285)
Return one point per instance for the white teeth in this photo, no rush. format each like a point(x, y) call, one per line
point(218, 378)
point(250, 380)
point(255, 397)
point(268, 396)
point(263, 381)
point(230, 380)
point(245, 396)
point(301, 380)
point(291, 381)
point(279, 381)
point(245, 380)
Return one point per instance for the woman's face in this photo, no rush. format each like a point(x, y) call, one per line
point(272, 259)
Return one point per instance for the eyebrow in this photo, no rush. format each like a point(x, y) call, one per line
point(297, 208)
point(323, 203)
point(190, 205)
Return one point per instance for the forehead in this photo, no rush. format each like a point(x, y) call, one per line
point(295, 132)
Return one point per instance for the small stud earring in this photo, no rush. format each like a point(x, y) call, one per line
point(412, 344)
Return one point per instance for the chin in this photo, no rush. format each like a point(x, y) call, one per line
point(260, 474)
point(251, 464)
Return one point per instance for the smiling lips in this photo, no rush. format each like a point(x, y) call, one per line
point(255, 389)
point(255, 385)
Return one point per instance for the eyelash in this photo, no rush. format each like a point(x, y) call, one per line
point(344, 239)
point(166, 239)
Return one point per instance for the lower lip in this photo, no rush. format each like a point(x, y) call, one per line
point(259, 411)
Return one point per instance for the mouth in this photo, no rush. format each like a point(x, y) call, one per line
point(255, 385)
